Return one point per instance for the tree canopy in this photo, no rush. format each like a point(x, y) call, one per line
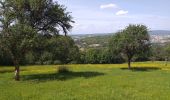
point(133, 40)
point(22, 20)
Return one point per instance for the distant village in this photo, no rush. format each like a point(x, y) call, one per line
point(82, 43)
point(160, 38)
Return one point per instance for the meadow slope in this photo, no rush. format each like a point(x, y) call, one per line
point(147, 81)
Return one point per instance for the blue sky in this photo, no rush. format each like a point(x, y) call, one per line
point(107, 16)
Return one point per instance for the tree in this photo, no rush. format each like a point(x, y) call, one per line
point(131, 41)
point(167, 53)
point(63, 49)
point(22, 20)
point(92, 56)
point(158, 52)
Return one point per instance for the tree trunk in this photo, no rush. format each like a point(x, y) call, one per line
point(17, 71)
point(129, 63)
point(166, 61)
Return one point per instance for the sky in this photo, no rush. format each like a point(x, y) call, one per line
point(108, 16)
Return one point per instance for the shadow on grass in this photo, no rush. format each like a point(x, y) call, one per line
point(142, 68)
point(60, 76)
point(8, 71)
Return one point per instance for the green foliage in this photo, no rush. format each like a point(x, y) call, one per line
point(29, 59)
point(46, 56)
point(167, 51)
point(5, 58)
point(44, 15)
point(100, 56)
point(64, 49)
point(92, 56)
point(23, 20)
point(131, 41)
point(57, 62)
point(18, 40)
point(52, 50)
point(48, 62)
point(158, 52)
point(57, 49)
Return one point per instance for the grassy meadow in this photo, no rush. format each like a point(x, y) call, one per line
point(146, 81)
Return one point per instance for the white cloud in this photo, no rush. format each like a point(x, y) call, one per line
point(122, 12)
point(111, 5)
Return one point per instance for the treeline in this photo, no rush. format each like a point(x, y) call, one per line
point(48, 49)
point(63, 50)
point(100, 56)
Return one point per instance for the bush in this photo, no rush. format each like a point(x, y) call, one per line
point(57, 62)
point(38, 63)
point(46, 57)
point(49, 62)
point(73, 62)
point(63, 69)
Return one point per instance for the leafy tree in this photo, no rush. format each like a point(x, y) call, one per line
point(22, 20)
point(131, 41)
point(144, 56)
point(167, 53)
point(92, 56)
point(158, 52)
point(114, 56)
point(57, 49)
point(63, 49)
point(100, 56)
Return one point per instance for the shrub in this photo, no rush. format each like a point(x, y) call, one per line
point(46, 57)
point(73, 62)
point(49, 62)
point(38, 63)
point(57, 62)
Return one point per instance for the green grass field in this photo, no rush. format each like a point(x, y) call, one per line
point(147, 81)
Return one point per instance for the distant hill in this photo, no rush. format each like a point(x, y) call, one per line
point(92, 41)
point(80, 36)
point(152, 32)
point(100, 40)
point(159, 32)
